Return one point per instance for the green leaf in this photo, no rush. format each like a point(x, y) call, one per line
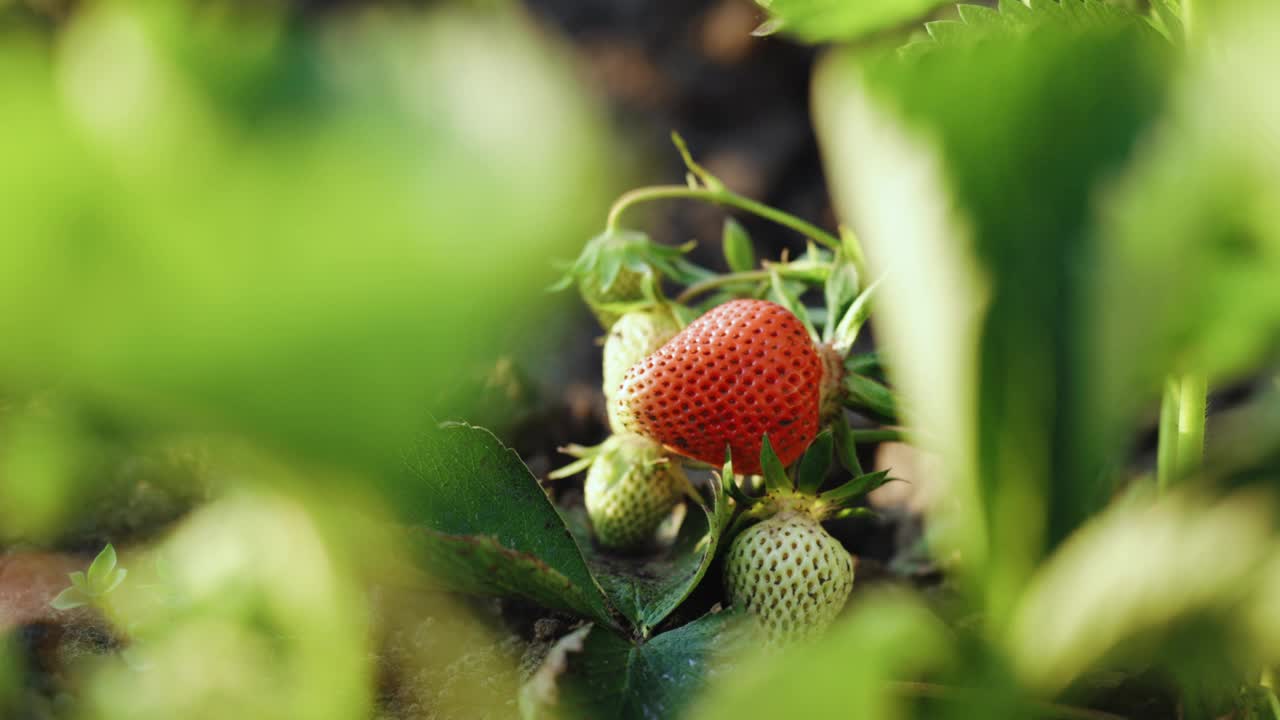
point(491, 526)
point(815, 464)
point(945, 30)
point(1147, 571)
point(775, 475)
point(69, 599)
point(647, 588)
point(101, 571)
point(254, 310)
point(819, 21)
point(614, 678)
point(848, 673)
point(78, 581)
point(481, 565)
point(992, 334)
point(1012, 17)
point(736, 244)
point(979, 14)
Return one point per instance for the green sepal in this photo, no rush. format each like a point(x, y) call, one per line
point(735, 491)
point(784, 297)
point(683, 314)
point(116, 579)
point(815, 464)
point(69, 599)
point(610, 266)
point(839, 291)
point(864, 364)
point(730, 482)
point(857, 512)
point(739, 254)
point(846, 446)
point(855, 488)
point(571, 469)
point(811, 268)
point(846, 333)
point(865, 395)
point(586, 455)
point(101, 570)
point(775, 475)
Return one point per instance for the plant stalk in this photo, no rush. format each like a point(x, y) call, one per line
point(958, 694)
point(1192, 401)
point(1180, 450)
point(1167, 442)
point(712, 283)
point(720, 197)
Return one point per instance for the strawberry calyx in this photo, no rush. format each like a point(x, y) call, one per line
point(620, 270)
point(799, 489)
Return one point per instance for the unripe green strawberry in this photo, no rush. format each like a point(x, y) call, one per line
point(628, 286)
point(631, 488)
point(621, 270)
point(790, 574)
point(631, 339)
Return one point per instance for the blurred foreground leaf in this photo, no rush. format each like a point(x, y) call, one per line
point(969, 172)
point(818, 21)
point(846, 674)
point(296, 234)
point(1136, 571)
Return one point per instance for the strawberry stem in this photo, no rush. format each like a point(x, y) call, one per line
point(720, 281)
point(720, 196)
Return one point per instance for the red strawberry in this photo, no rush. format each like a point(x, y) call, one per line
point(744, 369)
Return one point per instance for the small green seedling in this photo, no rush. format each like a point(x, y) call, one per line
point(92, 587)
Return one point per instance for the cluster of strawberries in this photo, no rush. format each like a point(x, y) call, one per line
point(737, 382)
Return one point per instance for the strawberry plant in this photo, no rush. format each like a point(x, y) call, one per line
point(988, 430)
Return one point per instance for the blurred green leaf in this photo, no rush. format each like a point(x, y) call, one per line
point(69, 599)
point(297, 235)
point(994, 269)
point(614, 678)
point(845, 674)
point(101, 570)
point(737, 248)
point(817, 21)
point(1191, 233)
point(491, 527)
point(1136, 570)
point(647, 588)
